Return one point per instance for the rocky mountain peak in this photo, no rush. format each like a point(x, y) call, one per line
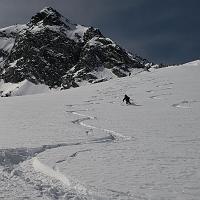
point(53, 51)
point(50, 11)
point(48, 16)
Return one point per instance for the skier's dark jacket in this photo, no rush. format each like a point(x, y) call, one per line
point(127, 99)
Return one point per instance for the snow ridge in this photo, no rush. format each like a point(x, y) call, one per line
point(22, 166)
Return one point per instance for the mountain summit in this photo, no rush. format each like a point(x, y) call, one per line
point(51, 50)
point(49, 16)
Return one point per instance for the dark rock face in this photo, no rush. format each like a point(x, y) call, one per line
point(3, 53)
point(90, 33)
point(55, 52)
point(103, 53)
point(43, 57)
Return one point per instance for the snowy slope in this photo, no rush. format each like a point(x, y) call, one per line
point(22, 88)
point(84, 143)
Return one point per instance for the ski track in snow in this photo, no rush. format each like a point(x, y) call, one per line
point(162, 87)
point(73, 156)
point(185, 104)
point(112, 135)
point(165, 84)
point(20, 165)
point(159, 96)
point(152, 91)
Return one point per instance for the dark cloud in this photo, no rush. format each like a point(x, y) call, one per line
point(162, 31)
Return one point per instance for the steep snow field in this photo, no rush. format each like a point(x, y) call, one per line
point(84, 143)
point(22, 88)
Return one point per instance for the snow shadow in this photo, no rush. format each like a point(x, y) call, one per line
point(165, 84)
point(159, 96)
point(163, 89)
point(185, 104)
point(11, 157)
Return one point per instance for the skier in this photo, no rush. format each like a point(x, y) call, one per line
point(127, 99)
point(147, 68)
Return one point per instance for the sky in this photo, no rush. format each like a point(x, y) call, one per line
point(162, 31)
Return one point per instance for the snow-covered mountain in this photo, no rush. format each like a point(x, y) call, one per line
point(86, 144)
point(52, 51)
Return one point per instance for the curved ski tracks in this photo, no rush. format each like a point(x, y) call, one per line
point(115, 136)
point(20, 166)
